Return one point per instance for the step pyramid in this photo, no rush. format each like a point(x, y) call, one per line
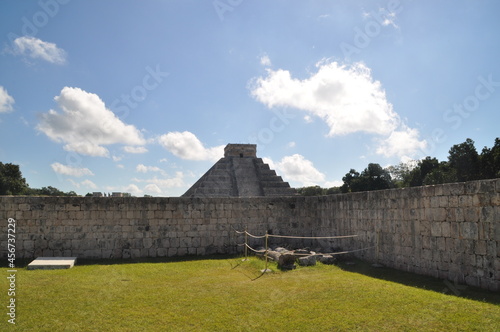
point(240, 174)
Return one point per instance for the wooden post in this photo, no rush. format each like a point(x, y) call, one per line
point(266, 251)
point(246, 245)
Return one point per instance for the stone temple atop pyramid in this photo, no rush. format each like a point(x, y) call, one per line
point(240, 174)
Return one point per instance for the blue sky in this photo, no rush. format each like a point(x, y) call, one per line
point(142, 96)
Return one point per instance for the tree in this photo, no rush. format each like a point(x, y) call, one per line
point(374, 177)
point(333, 190)
point(311, 191)
point(48, 191)
point(489, 161)
point(443, 173)
point(349, 180)
point(418, 174)
point(401, 174)
point(318, 191)
point(11, 180)
point(464, 159)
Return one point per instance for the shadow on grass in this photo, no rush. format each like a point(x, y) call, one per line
point(420, 281)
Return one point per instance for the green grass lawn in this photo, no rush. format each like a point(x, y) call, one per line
point(225, 294)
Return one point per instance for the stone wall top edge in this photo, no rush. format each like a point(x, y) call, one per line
point(144, 200)
point(489, 185)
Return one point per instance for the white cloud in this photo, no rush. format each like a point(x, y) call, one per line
point(162, 183)
point(135, 149)
point(144, 169)
point(291, 144)
point(36, 48)
point(152, 188)
point(403, 143)
point(85, 183)
point(346, 98)
point(383, 16)
point(89, 184)
point(390, 20)
point(265, 60)
point(308, 119)
point(297, 169)
point(85, 124)
point(329, 184)
point(187, 146)
point(6, 101)
point(70, 170)
point(132, 189)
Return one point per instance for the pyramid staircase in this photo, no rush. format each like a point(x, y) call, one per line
point(240, 174)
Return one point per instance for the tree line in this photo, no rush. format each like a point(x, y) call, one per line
point(12, 182)
point(464, 164)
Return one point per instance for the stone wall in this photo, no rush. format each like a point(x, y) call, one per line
point(448, 231)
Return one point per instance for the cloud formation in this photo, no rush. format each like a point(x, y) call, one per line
point(85, 184)
point(157, 185)
point(70, 170)
point(403, 143)
point(346, 98)
point(298, 169)
point(186, 145)
point(85, 125)
point(38, 49)
point(6, 101)
point(265, 60)
point(145, 169)
point(135, 149)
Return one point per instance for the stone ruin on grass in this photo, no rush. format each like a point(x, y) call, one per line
point(286, 259)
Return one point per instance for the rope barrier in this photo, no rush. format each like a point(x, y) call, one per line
point(292, 237)
point(296, 254)
point(266, 236)
point(255, 236)
point(237, 231)
point(313, 237)
point(259, 251)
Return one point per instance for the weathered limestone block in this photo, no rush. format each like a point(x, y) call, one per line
point(469, 230)
point(327, 259)
point(135, 253)
point(471, 214)
point(147, 242)
point(479, 200)
point(480, 247)
point(445, 229)
point(436, 229)
point(307, 260)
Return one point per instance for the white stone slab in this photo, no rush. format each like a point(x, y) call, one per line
point(52, 263)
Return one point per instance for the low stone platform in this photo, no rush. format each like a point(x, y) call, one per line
point(52, 263)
